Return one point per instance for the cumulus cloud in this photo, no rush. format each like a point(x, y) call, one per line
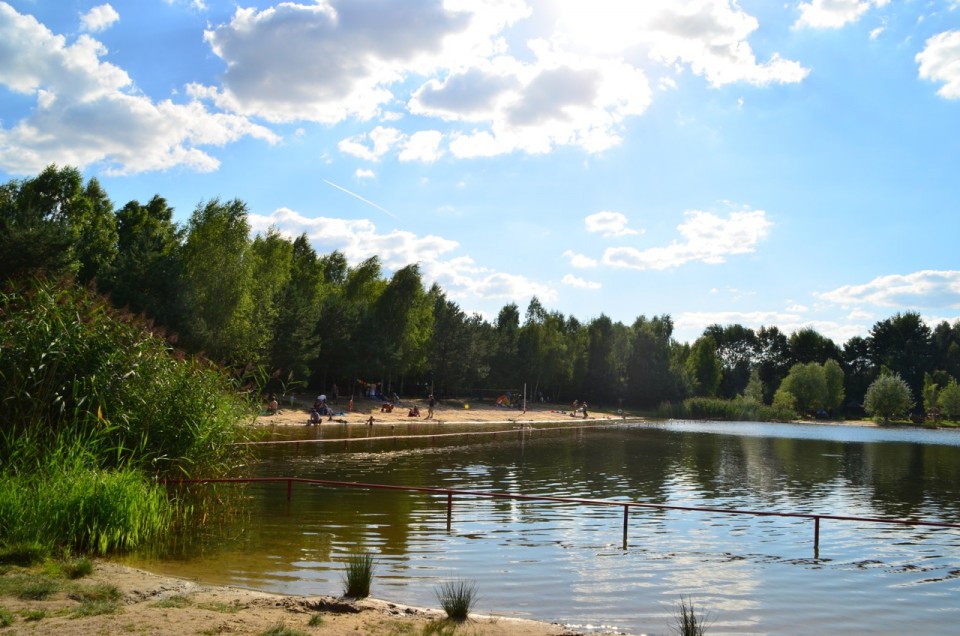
point(88, 111)
point(707, 238)
point(834, 14)
point(358, 240)
point(99, 18)
point(787, 322)
point(940, 62)
point(328, 60)
point(576, 281)
point(930, 289)
point(609, 224)
point(580, 261)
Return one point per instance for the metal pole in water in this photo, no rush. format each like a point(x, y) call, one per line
point(449, 510)
point(816, 537)
point(626, 516)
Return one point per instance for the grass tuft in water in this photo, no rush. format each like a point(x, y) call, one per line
point(688, 622)
point(358, 576)
point(457, 598)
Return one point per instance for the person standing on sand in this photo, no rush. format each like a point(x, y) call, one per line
point(430, 406)
point(584, 410)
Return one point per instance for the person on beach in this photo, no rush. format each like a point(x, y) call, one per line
point(414, 411)
point(430, 406)
point(584, 407)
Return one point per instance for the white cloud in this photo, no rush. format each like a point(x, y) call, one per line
point(88, 111)
point(373, 145)
point(329, 60)
point(830, 14)
point(580, 261)
point(99, 18)
point(362, 173)
point(358, 240)
point(927, 289)
point(422, 146)
point(576, 281)
point(693, 323)
point(708, 239)
point(940, 62)
point(609, 224)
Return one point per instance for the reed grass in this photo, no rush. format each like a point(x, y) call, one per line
point(95, 407)
point(358, 575)
point(739, 409)
point(6, 617)
point(688, 621)
point(457, 598)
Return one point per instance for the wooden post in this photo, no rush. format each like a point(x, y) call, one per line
point(289, 489)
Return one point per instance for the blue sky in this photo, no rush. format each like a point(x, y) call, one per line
point(763, 163)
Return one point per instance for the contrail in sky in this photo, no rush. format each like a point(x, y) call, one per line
point(354, 194)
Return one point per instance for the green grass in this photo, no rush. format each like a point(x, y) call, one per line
point(96, 608)
point(358, 576)
point(6, 617)
point(282, 630)
point(316, 620)
point(174, 602)
point(33, 615)
point(457, 598)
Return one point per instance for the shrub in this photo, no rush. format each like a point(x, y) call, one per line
point(888, 397)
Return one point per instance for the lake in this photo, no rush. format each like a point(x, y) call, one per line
point(566, 563)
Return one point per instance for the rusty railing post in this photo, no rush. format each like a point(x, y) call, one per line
point(816, 537)
point(626, 516)
point(449, 510)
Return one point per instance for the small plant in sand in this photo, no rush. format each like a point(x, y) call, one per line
point(457, 598)
point(358, 576)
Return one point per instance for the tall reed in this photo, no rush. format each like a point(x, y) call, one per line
point(358, 575)
point(457, 598)
point(94, 407)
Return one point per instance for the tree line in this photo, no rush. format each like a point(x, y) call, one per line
point(272, 303)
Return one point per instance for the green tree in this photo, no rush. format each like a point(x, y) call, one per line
point(50, 223)
point(218, 283)
point(736, 347)
point(833, 376)
point(296, 343)
point(808, 345)
point(703, 367)
point(771, 359)
point(888, 397)
point(146, 272)
point(903, 344)
point(949, 401)
point(651, 379)
point(808, 385)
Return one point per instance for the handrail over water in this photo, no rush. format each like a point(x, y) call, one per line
point(626, 505)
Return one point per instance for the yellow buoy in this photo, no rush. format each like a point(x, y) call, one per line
point(466, 406)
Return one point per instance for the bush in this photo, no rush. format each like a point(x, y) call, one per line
point(888, 397)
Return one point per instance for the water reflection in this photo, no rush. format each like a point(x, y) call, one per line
point(565, 562)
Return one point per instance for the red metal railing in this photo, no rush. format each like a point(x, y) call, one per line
point(626, 505)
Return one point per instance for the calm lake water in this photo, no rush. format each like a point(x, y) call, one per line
point(566, 563)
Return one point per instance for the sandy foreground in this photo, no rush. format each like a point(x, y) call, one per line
point(169, 606)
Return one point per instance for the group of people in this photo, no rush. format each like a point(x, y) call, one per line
point(319, 409)
point(579, 407)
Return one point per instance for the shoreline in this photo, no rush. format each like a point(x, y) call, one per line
point(168, 605)
point(165, 605)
